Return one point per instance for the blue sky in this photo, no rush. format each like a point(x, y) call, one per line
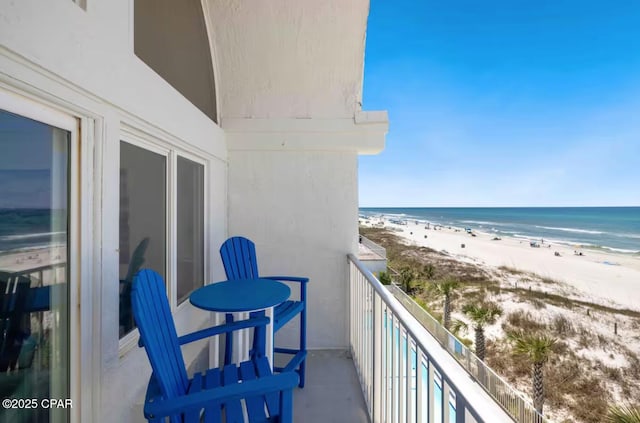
point(504, 103)
point(27, 163)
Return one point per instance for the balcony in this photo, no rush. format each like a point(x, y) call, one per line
point(404, 372)
point(379, 379)
point(372, 255)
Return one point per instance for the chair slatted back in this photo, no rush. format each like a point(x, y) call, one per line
point(239, 258)
point(15, 322)
point(158, 333)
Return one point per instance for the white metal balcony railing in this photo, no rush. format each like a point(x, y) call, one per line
point(520, 408)
point(405, 373)
point(54, 272)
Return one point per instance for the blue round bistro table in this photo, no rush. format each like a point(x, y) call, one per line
point(243, 295)
point(240, 295)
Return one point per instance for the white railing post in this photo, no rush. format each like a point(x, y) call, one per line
point(445, 401)
point(401, 377)
point(377, 358)
point(431, 388)
point(394, 370)
point(410, 406)
point(420, 411)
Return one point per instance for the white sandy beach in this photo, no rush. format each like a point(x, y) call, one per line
point(602, 277)
point(609, 279)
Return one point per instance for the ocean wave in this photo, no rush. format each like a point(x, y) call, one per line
point(394, 215)
point(581, 231)
point(613, 249)
point(634, 236)
point(27, 236)
point(580, 244)
point(622, 250)
point(551, 240)
point(483, 222)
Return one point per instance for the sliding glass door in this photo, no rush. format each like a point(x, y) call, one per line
point(35, 313)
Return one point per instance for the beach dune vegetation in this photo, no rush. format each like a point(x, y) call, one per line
point(624, 414)
point(591, 368)
point(384, 278)
point(537, 348)
point(429, 271)
point(406, 279)
point(444, 289)
point(481, 315)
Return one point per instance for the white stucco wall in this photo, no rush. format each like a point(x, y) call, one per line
point(375, 266)
point(82, 62)
point(300, 208)
point(289, 58)
point(93, 50)
point(293, 190)
point(290, 103)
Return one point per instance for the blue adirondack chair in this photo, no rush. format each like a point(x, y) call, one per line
point(240, 262)
point(217, 393)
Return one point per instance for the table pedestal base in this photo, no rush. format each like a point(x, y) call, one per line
point(242, 340)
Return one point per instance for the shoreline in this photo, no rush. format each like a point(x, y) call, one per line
point(525, 233)
point(609, 278)
point(30, 258)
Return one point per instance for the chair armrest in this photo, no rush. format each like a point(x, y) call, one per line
point(218, 330)
point(287, 278)
point(302, 281)
point(224, 328)
point(156, 408)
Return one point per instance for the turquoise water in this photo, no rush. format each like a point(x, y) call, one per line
point(612, 228)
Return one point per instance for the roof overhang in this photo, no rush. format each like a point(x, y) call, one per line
point(288, 58)
point(364, 134)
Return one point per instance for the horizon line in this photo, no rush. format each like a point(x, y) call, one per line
point(491, 207)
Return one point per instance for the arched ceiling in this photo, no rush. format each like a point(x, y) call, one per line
point(288, 58)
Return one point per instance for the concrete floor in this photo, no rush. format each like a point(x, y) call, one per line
point(332, 392)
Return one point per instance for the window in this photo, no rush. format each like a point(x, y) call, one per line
point(35, 352)
point(152, 180)
point(190, 227)
point(143, 221)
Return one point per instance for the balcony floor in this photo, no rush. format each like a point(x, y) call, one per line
point(332, 391)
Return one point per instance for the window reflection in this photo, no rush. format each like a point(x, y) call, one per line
point(190, 248)
point(142, 221)
point(34, 295)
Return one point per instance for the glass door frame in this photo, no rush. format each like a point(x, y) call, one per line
point(79, 216)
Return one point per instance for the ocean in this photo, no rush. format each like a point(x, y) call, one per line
point(25, 229)
point(609, 228)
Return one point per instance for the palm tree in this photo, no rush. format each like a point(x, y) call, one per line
point(622, 414)
point(429, 271)
point(537, 348)
point(481, 315)
point(445, 289)
point(406, 278)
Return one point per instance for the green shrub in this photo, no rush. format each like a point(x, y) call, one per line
point(384, 278)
